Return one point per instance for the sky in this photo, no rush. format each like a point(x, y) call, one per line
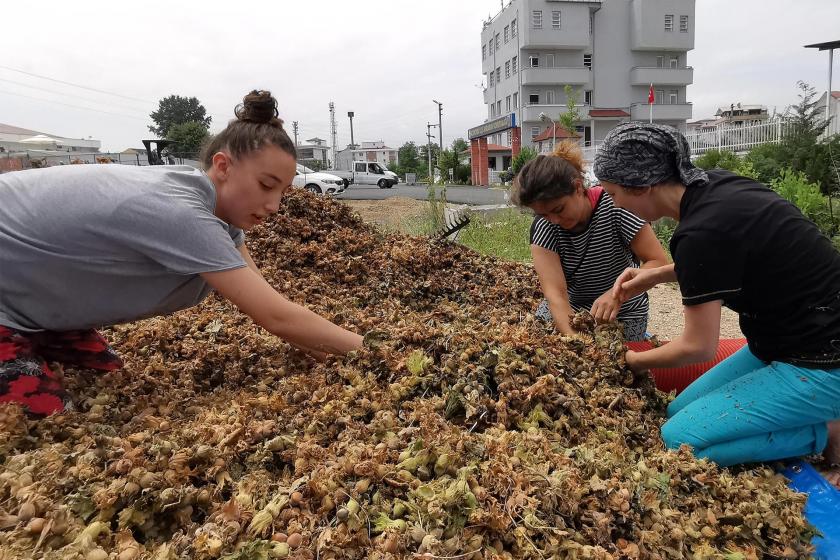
point(386, 60)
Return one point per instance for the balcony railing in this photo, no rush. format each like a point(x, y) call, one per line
point(577, 75)
point(643, 75)
point(671, 112)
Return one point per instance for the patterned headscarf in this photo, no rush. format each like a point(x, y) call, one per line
point(641, 154)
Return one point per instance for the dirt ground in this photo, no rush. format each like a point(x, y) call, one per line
point(666, 318)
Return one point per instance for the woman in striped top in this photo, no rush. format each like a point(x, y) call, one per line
point(581, 243)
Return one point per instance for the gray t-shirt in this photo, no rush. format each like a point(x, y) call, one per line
point(91, 245)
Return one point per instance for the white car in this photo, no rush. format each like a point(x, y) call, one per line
point(317, 182)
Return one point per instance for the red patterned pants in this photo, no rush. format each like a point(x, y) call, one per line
point(25, 376)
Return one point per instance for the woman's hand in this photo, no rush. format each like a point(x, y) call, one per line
point(605, 308)
point(634, 281)
point(631, 359)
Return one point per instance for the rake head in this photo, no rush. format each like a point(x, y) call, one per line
point(452, 225)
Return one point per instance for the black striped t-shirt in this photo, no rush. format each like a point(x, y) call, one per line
point(594, 258)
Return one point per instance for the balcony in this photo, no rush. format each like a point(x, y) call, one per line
point(642, 76)
point(575, 75)
point(676, 112)
point(531, 113)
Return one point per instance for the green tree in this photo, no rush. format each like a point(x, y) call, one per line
point(454, 159)
point(718, 159)
point(409, 159)
point(526, 154)
point(189, 137)
point(767, 160)
point(570, 117)
point(176, 109)
point(424, 159)
point(795, 187)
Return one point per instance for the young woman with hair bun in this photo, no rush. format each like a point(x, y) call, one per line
point(581, 243)
point(94, 245)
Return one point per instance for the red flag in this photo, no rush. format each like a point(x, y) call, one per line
point(650, 95)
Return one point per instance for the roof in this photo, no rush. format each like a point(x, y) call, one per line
point(559, 131)
point(835, 94)
point(741, 107)
point(9, 129)
point(824, 46)
point(608, 113)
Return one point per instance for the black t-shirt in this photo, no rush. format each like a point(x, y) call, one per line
point(740, 242)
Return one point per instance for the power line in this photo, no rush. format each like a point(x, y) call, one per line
point(69, 105)
point(75, 85)
point(89, 100)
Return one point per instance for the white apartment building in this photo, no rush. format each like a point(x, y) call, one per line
point(609, 52)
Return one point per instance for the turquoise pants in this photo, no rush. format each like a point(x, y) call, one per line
point(745, 410)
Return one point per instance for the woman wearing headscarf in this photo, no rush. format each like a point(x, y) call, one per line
point(737, 244)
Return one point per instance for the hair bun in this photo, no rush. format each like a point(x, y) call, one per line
point(259, 107)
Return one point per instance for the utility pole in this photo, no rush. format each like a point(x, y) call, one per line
point(352, 142)
point(429, 137)
point(295, 127)
point(440, 122)
point(332, 132)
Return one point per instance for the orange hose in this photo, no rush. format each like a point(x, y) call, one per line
point(678, 378)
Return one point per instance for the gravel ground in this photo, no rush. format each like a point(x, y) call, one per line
point(666, 317)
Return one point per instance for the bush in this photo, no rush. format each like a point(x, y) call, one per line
point(664, 229)
point(795, 187)
point(767, 161)
point(718, 159)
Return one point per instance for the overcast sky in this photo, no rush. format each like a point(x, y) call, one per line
point(384, 59)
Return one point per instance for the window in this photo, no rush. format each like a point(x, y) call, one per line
point(507, 33)
point(534, 60)
point(536, 19)
point(507, 69)
point(549, 97)
point(490, 45)
point(490, 79)
point(534, 99)
point(660, 62)
point(360, 168)
point(498, 75)
point(483, 52)
point(591, 22)
point(507, 103)
point(498, 107)
point(672, 97)
point(549, 60)
point(587, 97)
point(515, 100)
point(660, 97)
point(683, 24)
point(513, 64)
point(513, 27)
point(490, 111)
point(535, 131)
point(497, 42)
point(675, 62)
point(509, 138)
point(587, 60)
point(669, 22)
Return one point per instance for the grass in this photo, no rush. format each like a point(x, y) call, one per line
point(504, 235)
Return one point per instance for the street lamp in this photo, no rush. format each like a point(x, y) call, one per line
point(544, 117)
point(440, 122)
point(352, 142)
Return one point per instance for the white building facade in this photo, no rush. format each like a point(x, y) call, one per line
point(608, 52)
point(368, 151)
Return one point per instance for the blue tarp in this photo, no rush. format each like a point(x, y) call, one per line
point(822, 509)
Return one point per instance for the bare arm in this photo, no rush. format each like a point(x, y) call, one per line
point(251, 294)
point(648, 249)
point(553, 282)
point(698, 342)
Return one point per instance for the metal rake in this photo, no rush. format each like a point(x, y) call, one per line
point(451, 226)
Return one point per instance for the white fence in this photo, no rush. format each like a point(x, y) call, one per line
point(743, 138)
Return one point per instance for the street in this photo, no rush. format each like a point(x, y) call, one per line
point(457, 194)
